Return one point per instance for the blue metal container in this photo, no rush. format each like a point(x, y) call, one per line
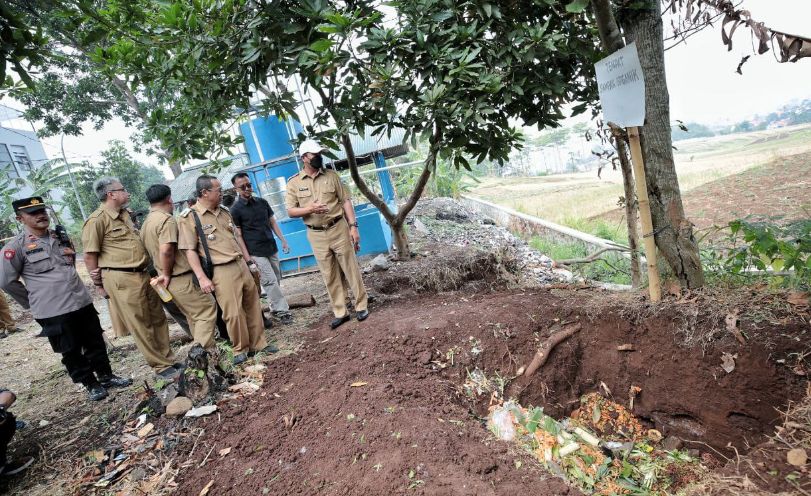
point(267, 138)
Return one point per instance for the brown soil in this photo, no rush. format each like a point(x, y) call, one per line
point(781, 189)
point(407, 426)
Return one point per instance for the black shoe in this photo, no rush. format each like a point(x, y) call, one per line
point(96, 392)
point(267, 322)
point(169, 373)
point(241, 358)
point(113, 380)
point(284, 317)
point(16, 466)
point(339, 321)
point(271, 348)
point(362, 315)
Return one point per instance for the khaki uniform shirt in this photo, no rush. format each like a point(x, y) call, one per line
point(160, 228)
point(325, 186)
point(114, 237)
point(218, 229)
point(52, 286)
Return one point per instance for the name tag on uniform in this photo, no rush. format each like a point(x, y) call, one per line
point(35, 250)
point(304, 189)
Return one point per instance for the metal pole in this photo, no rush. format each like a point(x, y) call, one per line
point(72, 182)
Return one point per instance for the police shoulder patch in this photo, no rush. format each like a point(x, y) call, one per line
point(186, 211)
point(8, 253)
point(294, 175)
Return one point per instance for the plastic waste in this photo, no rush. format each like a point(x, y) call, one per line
point(501, 422)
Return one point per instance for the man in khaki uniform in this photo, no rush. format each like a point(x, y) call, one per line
point(318, 196)
point(231, 281)
point(160, 234)
point(111, 243)
point(7, 324)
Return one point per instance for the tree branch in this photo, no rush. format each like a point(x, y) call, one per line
point(591, 258)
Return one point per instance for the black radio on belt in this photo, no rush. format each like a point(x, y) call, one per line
point(62, 236)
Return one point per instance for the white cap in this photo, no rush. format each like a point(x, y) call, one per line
point(309, 146)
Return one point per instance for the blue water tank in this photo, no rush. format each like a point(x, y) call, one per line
point(272, 138)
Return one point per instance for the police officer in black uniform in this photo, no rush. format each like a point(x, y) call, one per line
point(59, 301)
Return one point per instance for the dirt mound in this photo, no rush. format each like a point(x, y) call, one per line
point(379, 407)
point(457, 267)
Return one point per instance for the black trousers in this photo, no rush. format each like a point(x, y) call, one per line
point(78, 337)
point(8, 426)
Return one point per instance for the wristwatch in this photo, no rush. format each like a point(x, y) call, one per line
point(354, 224)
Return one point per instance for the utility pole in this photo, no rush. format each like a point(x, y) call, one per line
point(72, 182)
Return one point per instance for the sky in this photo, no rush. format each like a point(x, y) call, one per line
point(702, 81)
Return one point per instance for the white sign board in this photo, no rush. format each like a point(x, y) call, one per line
point(622, 87)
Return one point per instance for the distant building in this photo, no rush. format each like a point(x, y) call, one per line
point(21, 152)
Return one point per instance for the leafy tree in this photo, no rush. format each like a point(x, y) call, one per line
point(21, 47)
point(73, 89)
point(451, 73)
point(117, 162)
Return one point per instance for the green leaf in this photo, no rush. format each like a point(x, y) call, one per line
point(577, 6)
point(321, 45)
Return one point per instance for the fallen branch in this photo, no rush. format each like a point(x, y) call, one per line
point(591, 258)
point(542, 355)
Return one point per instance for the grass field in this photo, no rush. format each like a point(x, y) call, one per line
point(589, 203)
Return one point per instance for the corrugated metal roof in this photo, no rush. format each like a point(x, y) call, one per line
point(183, 185)
point(364, 146)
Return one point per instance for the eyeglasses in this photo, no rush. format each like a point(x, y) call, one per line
point(246, 187)
point(214, 190)
point(114, 190)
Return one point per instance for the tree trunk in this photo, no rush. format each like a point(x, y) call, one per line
point(395, 221)
point(630, 209)
point(401, 241)
point(673, 232)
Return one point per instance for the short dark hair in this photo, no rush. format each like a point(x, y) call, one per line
point(237, 176)
point(203, 182)
point(158, 193)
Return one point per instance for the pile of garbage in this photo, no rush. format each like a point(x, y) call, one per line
point(601, 448)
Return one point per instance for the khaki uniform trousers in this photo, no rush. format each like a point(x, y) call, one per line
point(139, 309)
point(238, 297)
point(335, 255)
point(6, 322)
point(199, 308)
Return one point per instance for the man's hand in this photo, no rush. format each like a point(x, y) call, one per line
point(285, 246)
point(102, 292)
point(206, 285)
point(318, 208)
point(163, 280)
point(355, 235)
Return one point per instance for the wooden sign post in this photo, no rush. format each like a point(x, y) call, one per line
point(621, 83)
point(644, 214)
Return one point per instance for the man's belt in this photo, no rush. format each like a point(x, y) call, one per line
point(325, 226)
point(126, 269)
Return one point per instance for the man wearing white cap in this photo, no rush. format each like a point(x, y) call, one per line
point(323, 202)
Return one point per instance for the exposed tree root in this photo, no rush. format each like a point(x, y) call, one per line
point(542, 355)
